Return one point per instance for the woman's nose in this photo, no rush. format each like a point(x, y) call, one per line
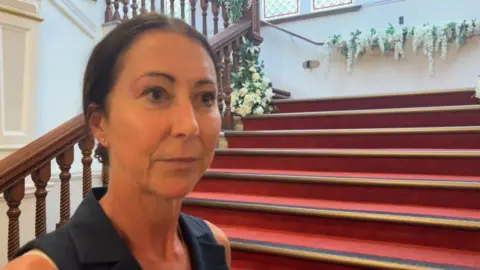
point(184, 121)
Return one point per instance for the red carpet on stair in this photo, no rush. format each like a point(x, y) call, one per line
point(446, 140)
point(370, 120)
point(463, 97)
point(455, 193)
point(349, 160)
point(418, 253)
point(385, 182)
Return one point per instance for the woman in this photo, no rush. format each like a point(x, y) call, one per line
point(150, 99)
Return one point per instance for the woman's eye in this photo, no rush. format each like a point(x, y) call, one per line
point(155, 93)
point(208, 99)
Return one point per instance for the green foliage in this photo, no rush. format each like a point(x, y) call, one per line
point(234, 8)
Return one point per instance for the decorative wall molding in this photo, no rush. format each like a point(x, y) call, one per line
point(78, 17)
point(21, 9)
point(10, 147)
point(18, 73)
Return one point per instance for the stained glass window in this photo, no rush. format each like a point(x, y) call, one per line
point(324, 4)
point(279, 8)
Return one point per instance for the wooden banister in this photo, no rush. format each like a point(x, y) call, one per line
point(29, 158)
point(230, 34)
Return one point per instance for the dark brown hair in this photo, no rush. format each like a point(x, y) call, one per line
point(105, 61)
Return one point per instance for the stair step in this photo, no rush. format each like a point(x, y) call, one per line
point(412, 237)
point(277, 97)
point(256, 255)
point(433, 137)
point(468, 115)
point(384, 208)
point(379, 101)
point(346, 177)
point(454, 192)
point(408, 161)
point(282, 92)
point(288, 207)
point(264, 255)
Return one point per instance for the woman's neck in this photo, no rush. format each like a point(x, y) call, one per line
point(149, 224)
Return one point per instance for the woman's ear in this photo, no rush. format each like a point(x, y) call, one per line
point(96, 121)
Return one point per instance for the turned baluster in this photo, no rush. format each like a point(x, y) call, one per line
point(182, 9)
point(162, 6)
point(105, 176)
point(125, 10)
point(172, 7)
point(204, 7)
point(143, 7)
point(108, 11)
point(193, 9)
point(152, 5)
point(64, 161)
point(41, 177)
point(134, 8)
point(116, 14)
point(86, 146)
point(227, 119)
point(235, 48)
point(215, 17)
point(225, 16)
point(14, 196)
point(256, 20)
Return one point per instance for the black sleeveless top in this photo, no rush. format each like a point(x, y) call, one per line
point(90, 242)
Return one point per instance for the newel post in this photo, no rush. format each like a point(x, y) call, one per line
point(254, 14)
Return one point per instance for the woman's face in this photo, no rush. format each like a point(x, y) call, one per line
point(162, 118)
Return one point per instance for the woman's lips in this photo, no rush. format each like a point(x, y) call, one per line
point(182, 162)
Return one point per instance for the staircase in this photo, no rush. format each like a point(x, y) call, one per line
point(386, 182)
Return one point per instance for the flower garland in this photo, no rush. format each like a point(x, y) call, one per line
point(430, 38)
point(234, 8)
point(251, 89)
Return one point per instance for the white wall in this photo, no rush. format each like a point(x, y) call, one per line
point(70, 30)
point(284, 55)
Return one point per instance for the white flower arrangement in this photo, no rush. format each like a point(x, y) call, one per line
point(430, 38)
point(251, 89)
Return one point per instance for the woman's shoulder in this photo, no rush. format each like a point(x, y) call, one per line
point(222, 239)
point(202, 227)
point(47, 251)
point(219, 235)
point(34, 259)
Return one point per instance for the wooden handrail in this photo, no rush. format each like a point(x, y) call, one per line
point(293, 34)
point(29, 158)
point(228, 35)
